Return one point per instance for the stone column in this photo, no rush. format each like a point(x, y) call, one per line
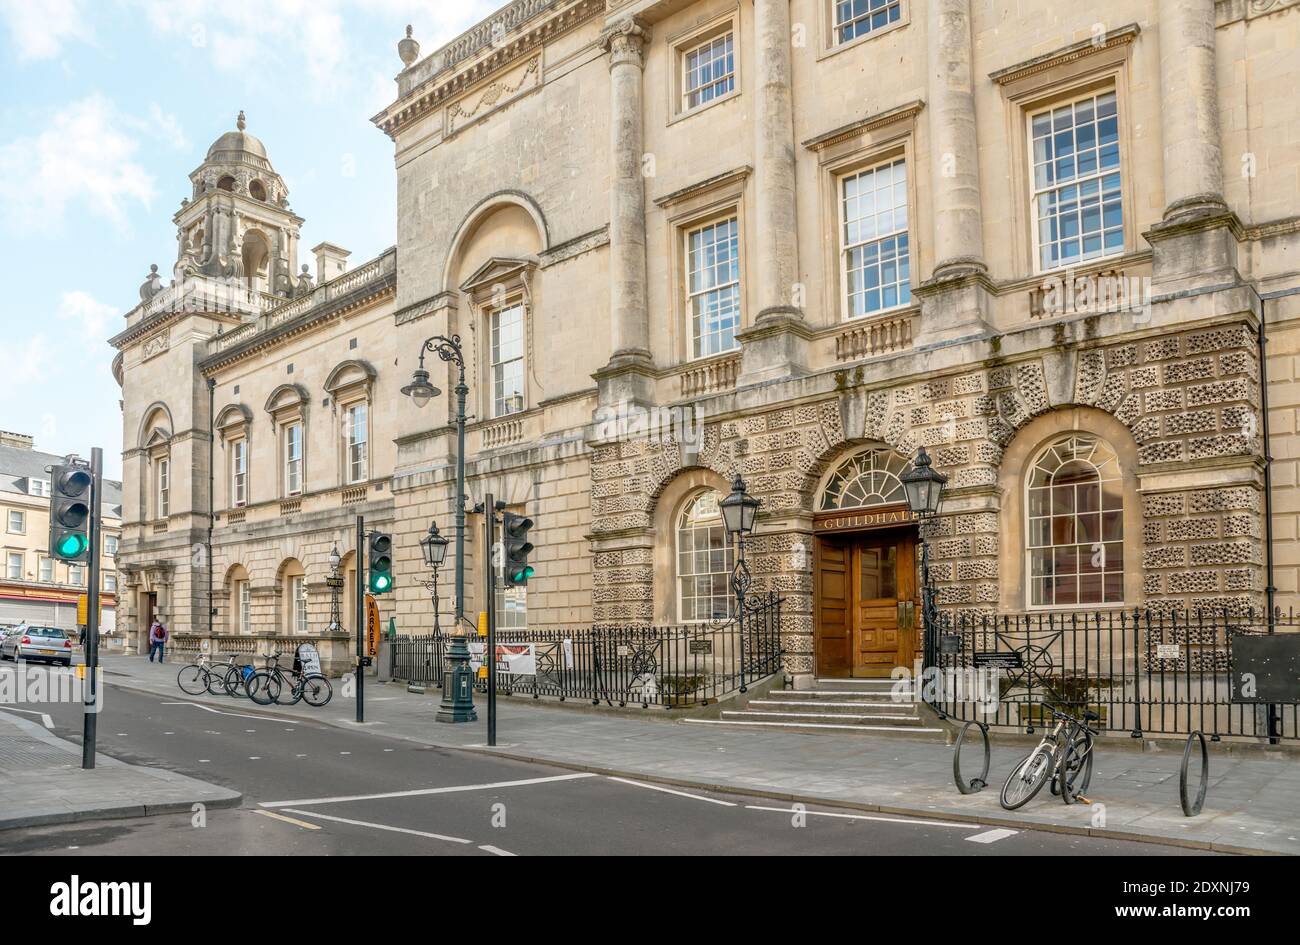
point(774, 345)
point(954, 150)
point(776, 246)
point(1195, 244)
point(1189, 109)
point(956, 296)
point(625, 376)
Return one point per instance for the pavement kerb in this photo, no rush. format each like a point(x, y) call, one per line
point(839, 803)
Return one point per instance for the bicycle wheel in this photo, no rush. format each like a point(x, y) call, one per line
point(317, 691)
point(288, 692)
point(193, 679)
point(233, 682)
point(263, 688)
point(1193, 807)
point(1027, 778)
point(1075, 772)
point(973, 785)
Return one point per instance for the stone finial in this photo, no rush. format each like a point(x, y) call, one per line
point(239, 122)
point(151, 285)
point(408, 49)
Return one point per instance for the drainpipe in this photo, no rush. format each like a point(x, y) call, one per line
point(1270, 589)
point(212, 499)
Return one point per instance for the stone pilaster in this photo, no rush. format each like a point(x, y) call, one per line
point(775, 344)
point(628, 375)
point(1195, 245)
point(955, 298)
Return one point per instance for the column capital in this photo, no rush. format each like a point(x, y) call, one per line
point(625, 41)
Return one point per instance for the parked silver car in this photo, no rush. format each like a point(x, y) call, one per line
point(49, 644)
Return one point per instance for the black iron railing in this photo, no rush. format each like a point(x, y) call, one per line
point(1144, 672)
point(661, 666)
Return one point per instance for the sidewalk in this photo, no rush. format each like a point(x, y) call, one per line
point(1253, 803)
point(42, 782)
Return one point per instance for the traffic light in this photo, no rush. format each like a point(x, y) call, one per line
point(380, 562)
point(69, 512)
point(514, 535)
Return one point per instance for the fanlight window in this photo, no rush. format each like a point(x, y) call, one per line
point(1075, 504)
point(865, 480)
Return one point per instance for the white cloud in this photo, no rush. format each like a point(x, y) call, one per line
point(86, 154)
point(94, 316)
point(39, 30)
point(25, 363)
point(254, 38)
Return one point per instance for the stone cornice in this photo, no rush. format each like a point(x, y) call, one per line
point(144, 327)
point(1116, 37)
point(371, 293)
point(717, 180)
point(870, 123)
point(508, 36)
point(583, 243)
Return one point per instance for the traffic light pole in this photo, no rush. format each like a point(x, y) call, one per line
point(361, 619)
point(90, 714)
point(490, 652)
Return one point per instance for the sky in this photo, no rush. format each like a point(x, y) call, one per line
point(106, 106)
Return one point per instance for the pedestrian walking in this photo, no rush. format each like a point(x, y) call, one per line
point(157, 640)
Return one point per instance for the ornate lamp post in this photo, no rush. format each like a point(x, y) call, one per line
point(335, 583)
point(434, 546)
point(738, 512)
point(458, 684)
point(421, 393)
point(923, 485)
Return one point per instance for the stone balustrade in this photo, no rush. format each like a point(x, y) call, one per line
point(867, 338)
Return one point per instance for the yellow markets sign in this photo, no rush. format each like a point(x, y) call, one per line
point(372, 626)
point(83, 610)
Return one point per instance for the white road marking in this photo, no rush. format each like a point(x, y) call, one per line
point(497, 850)
point(237, 715)
point(885, 820)
point(254, 757)
point(203, 761)
point(288, 820)
point(992, 836)
point(362, 823)
point(665, 790)
point(345, 753)
point(45, 719)
point(312, 802)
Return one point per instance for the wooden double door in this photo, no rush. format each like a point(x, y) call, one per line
point(866, 602)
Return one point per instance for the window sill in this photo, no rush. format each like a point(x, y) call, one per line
point(829, 50)
point(704, 107)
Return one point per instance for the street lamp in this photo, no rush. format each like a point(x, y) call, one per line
point(923, 485)
point(434, 546)
point(738, 512)
point(335, 583)
point(421, 391)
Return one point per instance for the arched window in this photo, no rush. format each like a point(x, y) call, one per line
point(704, 561)
point(866, 479)
point(1075, 513)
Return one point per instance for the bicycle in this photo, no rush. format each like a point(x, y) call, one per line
point(201, 676)
point(268, 685)
point(1064, 757)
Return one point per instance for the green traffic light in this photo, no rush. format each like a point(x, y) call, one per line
point(72, 545)
point(523, 575)
point(381, 583)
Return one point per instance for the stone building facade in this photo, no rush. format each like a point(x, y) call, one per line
point(795, 240)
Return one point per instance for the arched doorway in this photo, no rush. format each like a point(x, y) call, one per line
point(865, 594)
